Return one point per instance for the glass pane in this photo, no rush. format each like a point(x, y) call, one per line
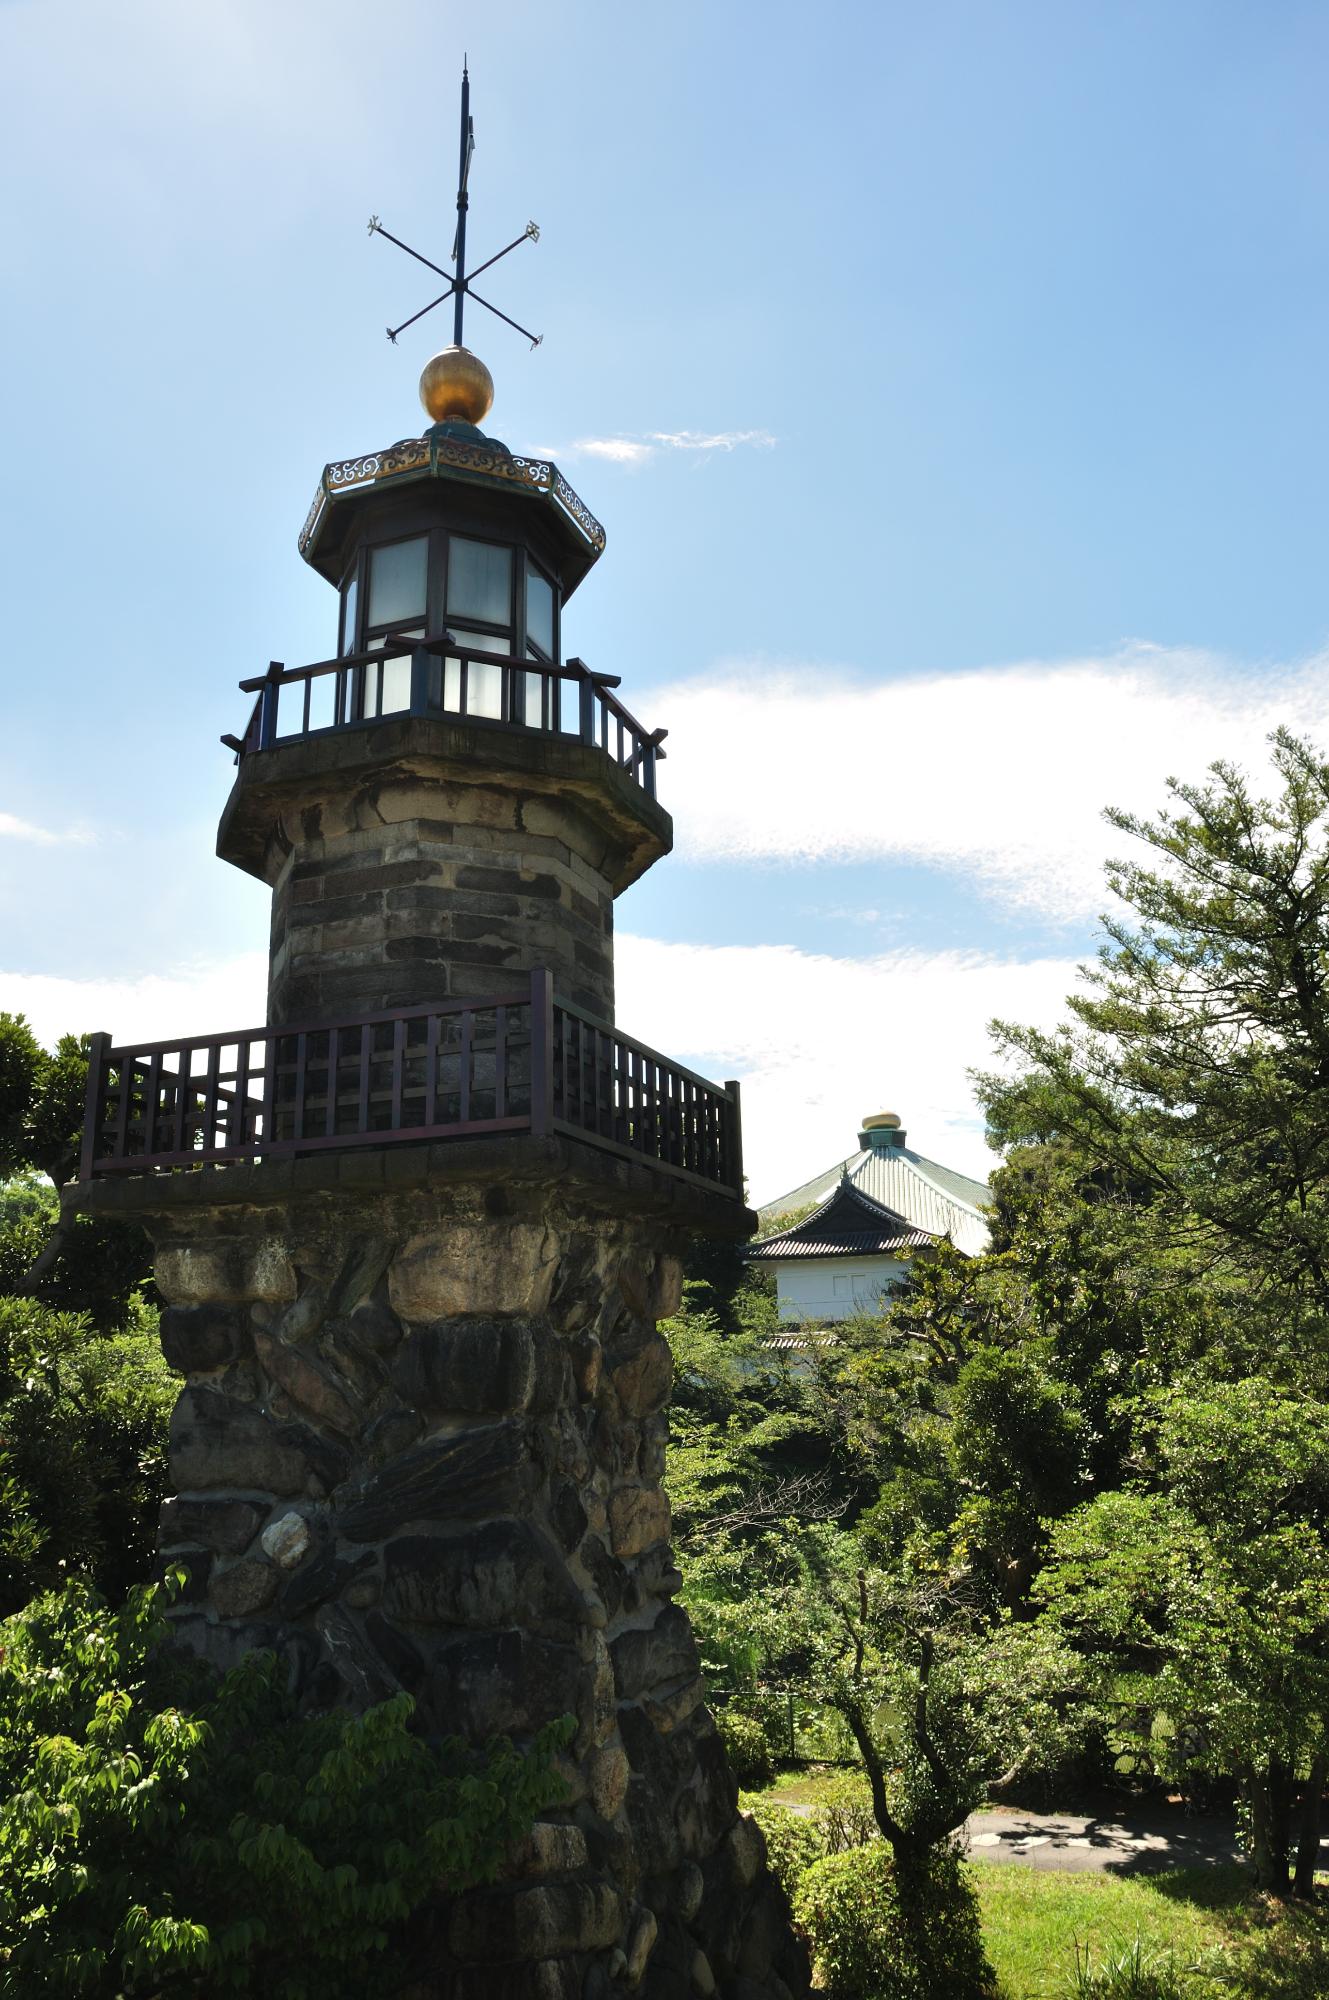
point(397, 581)
point(483, 642)
point(480, 580)
point(385, 639)
point(534, 692)
point(540, 612)
point(349, 596)
point(323, 701)
point(396, 685)
point(484, 689)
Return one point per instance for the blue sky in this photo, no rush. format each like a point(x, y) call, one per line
point(949, 380)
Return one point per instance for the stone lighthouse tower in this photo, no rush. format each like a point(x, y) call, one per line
point(416, 1232)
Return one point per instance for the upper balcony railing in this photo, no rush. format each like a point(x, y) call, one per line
point(437, 677)
point(520, 1062)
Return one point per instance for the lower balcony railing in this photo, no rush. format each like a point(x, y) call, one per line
point(519, 1062)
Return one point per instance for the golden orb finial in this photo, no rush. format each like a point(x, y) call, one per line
point(456, 383)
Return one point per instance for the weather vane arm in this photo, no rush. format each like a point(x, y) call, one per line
point(530, 234)
point(516, 325)
point(376, 229)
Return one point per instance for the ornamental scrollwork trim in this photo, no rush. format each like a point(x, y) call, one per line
point(579, 511)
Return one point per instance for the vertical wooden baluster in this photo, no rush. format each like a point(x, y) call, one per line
point(431, 1071)
point(398, 1063)
point(366, 1070)
point(150, 1104)
point(94, 1106)
point(238, 1134)
point(301, 1064)
point(464, 1100)
point(500, 1062)
point(334, 1064)
point(309, 692)
point(542, 1051)
point(734, 1160)
point(128, 1069)
point(184, 1101)
point(463, 687)
point(209, 1130)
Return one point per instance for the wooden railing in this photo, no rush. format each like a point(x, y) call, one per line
point(438, 677)
point(521, 1061)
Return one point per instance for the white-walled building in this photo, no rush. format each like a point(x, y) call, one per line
point(871, 1214)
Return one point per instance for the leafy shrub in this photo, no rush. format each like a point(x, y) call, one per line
point(746, 1747)
point(163, 1830)
point(83, 1423)
point(844, 1815)
point(875, 1931)
point(793, 1841)
point(1130, 1973)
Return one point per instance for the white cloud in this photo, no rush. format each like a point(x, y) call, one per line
point(203, 999)
point(13, 828)
point(620, 451)
point(641, 449)
point(816, 1041)
point(999, 774)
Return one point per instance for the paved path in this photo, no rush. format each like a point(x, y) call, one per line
point(1122, 1843)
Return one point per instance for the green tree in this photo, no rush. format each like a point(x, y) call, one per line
point(1193, 1077)
point(165, 1832)
point(1201, 1595)
point(83, 1421)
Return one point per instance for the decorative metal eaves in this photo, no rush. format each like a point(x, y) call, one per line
point(428, 457)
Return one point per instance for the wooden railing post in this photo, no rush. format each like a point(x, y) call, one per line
point(735, 1148)
point(98, 1049)
point(542, 1052)
point(420, 661)
point(585, 700)
point(267, 701)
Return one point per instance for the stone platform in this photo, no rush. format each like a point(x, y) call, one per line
point(420, 1445)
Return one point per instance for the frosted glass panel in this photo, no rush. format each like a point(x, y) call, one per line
point(484, 688)
point(323, 701)
point(397, 578)
point(534, 700)
point(482, 642)
point(540, 612)
point(348, 617)
point(388, 686)
point(480, 580)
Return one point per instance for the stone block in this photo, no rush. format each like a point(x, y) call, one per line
point(197, 1339)
point(550, 1849)
point(642, 1382)
point(609, 1774)
point(504, 1684)
point(473, 1366)
point(216, 1441)
point(652, 1291)
point(655, 1657)
point(503, 1266)
point(502, 1574)
point(224, 1271)
point(638, 1518)
point(225, 1526)
point(312, 1387)
point(285, 1541)
point(243, 1589)
point(476, 1472)
point(543, 1922)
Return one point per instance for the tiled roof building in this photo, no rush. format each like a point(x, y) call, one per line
point(870, 1214)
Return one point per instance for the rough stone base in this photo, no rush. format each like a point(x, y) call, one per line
point(420, 1445)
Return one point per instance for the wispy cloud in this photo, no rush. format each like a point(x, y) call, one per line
point(14, 828)
point(999, 776)
point(640, 448)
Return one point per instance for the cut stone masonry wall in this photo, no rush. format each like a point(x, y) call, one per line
point(420, 1444)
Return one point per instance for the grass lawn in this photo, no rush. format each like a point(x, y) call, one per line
point(1032, 1923)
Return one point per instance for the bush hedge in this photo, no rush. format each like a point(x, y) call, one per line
point(873, 1933)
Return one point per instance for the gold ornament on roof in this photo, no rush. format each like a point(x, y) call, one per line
point(455, 383)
